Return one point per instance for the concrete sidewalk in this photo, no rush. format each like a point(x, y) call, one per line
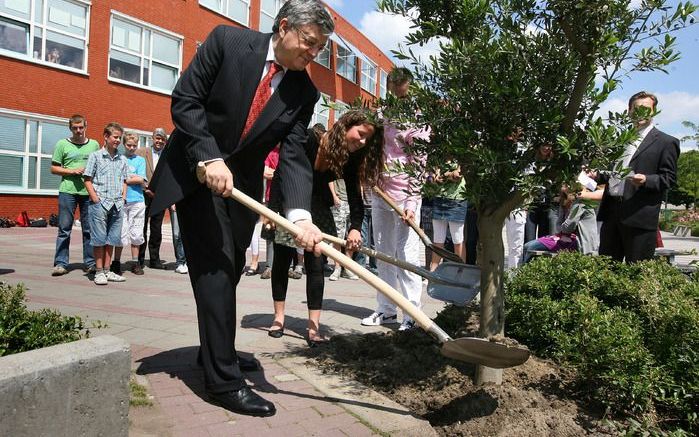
point(156, 314)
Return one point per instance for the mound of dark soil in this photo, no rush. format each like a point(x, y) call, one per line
point(535, 399)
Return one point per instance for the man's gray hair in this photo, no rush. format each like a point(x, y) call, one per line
point(302, 12)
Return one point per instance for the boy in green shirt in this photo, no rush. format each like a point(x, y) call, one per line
point(68, 161)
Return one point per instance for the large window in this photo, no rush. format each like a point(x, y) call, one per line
point(237, 10)
point(50, 32)
point(346, 63)
point(323, 57)
point(268, 11)
point(369, 76)
point(321, 112)
point(26, 146)
point(144, 55)
point(383, 78)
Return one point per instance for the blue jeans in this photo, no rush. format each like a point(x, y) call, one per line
point(367, 240)
point(180, 258)
point(66, 212)
point(530, 246)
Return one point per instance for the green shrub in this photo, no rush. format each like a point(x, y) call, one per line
point(631, 332)
point(22, 330)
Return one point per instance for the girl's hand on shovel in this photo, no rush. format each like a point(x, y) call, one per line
point(354, 240)
point(408, 215)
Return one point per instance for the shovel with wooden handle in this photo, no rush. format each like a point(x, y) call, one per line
point(425, 239)
point(450, 282)
point(469, 349)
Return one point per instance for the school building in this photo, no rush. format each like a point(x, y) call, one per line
point(118, 60)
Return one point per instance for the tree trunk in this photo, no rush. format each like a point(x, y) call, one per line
point(491, 259)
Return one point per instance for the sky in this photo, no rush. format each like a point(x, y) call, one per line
point(677, 92)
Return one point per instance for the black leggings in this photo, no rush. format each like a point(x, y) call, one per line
point(315, 282)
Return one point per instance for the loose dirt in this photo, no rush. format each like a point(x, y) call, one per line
point(535, 399)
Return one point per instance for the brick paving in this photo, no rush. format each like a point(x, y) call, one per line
point(157, 315)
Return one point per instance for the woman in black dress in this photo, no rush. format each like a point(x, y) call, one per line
point(352, 150)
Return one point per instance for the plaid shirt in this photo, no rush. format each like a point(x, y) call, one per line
point(108, 175)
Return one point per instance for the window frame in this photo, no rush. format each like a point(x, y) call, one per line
point(319, 108)
point(272, 15)
point(383, 83)
point(227, 5)
point(28, 117)
point(142, 135)
point(45, 28)
point(344, 59)
point(143, 57)
point(328, 49)
point(369, 77)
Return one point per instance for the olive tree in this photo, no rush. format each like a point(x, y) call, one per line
point(514, 74)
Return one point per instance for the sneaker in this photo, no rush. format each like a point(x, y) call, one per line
point(113, 277)
point(348, 275)
point(293, 274)
point(267, 273)
point(101, 278)
point(406, 325)
point(335, 276)
point(377, 319)
point(136, 269)
point(182, 269)
point(58, 271)
point(90, 270)
point(115, 267)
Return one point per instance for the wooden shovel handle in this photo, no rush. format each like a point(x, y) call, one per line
point(418, 315)
point(425, 239)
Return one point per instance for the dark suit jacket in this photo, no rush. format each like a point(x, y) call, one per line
point(656, 158)
point(210, 105)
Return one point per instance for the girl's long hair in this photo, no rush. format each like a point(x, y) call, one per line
point(370, 156)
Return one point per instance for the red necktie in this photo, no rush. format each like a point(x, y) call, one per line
point(262, 95)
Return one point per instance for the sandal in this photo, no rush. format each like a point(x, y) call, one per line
point(250, 271)
point(315, 341)
point(276, 333)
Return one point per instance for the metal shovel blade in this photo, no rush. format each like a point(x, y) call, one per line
point(487, 353)
point(441, 283)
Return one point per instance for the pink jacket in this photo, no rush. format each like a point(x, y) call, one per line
point(398, 185)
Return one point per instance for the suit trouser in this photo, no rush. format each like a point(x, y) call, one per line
point(215, 266)
point(155, 238)
point(395, 238)
point(625, 242)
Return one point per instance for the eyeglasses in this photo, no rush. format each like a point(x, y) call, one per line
point(310, 42)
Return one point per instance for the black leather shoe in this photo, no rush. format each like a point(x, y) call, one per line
point(248, 364)
point(244, 401)
point(158, 265)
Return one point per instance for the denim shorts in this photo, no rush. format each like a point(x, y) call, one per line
point(449, 210)
point(105, 225)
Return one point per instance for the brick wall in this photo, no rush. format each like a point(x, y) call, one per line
point(48, 91)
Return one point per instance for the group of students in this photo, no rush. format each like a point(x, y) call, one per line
point(110, 189)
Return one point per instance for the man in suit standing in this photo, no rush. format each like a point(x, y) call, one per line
point(154, 222)
point(630, 207)
point(243, 93)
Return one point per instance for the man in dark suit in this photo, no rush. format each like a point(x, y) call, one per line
point(630, 207)
point(243, 93)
